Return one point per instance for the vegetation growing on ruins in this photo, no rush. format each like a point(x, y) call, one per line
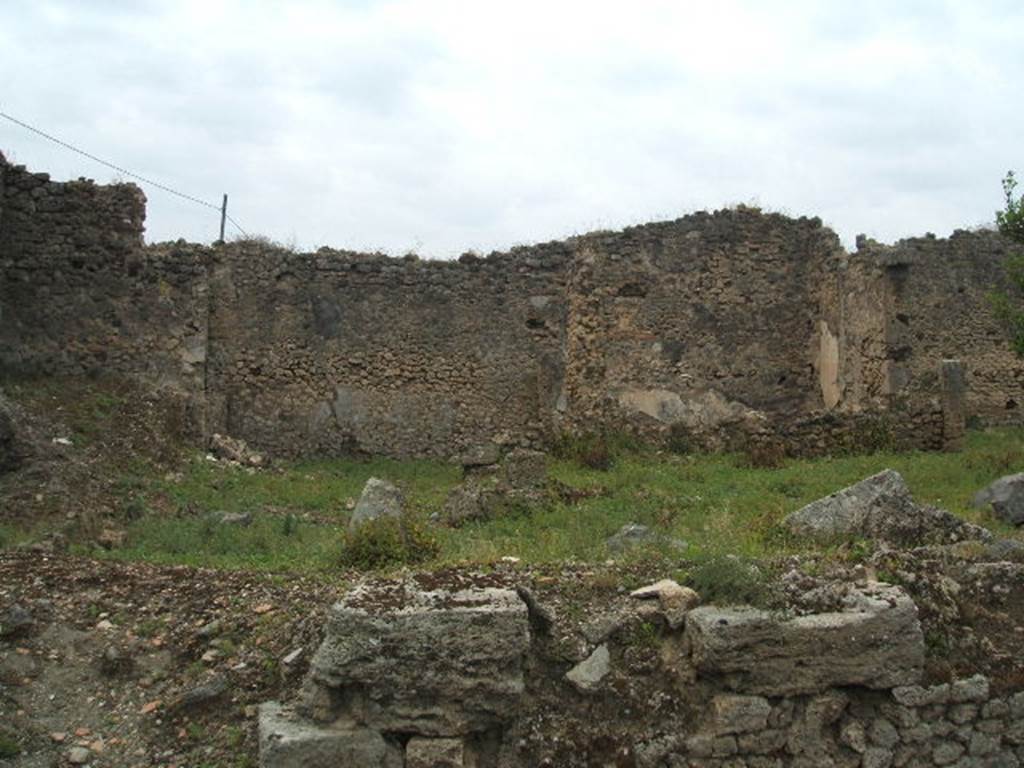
point(718, 504)
point(1007, 303)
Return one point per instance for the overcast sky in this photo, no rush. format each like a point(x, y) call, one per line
point(441, 126)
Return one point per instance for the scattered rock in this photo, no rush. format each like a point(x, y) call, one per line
point(79, 755)
point(379, 499)
point(490, 491)
point(210, 630)
point(588, 674)
point(201, 695)
point(880, 507)
point(1006, 498)
point(150, 707)
point(631, 535)
point(234, 450)
point(674, 600)
point(635, 535)
point(15, 621)
point(114, 661)
point(236, 518)
point(1005, 549)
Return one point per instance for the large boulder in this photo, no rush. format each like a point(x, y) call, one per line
point(379, 499)
point(880, 507)
point(1006, 498)
point(874, 641)
point(400, 658)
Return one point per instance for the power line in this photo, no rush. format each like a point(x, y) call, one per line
point(119, 169)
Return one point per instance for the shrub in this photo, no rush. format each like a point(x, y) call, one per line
point(770, 455)
point(680, 440)
point(596, 450)
point(388, 541)
point(728, 580)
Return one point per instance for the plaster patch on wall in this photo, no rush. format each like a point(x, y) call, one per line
point(708, 409)
point(828, 365)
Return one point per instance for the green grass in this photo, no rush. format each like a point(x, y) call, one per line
point(714, 502)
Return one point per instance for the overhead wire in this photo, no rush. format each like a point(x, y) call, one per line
point(119, 169)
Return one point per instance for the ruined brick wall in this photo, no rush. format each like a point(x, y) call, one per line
point(697, 321)
point(80, 295)
point(936, 295)
point(733, 326)
point(334, 351)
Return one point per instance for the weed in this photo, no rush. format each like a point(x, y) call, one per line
point(8, 747)
point(233, 736)
point(388, 541)
point(770, 455)
point(680, 440)
point(645, 635)
point(728, 580)
point(289, 524)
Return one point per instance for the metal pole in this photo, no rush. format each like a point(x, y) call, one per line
point(223, 215)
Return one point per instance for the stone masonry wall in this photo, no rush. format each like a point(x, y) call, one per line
point(334, 351)
point(730, 326)
point(938, 307)
point(80, 295)
point(697, 322)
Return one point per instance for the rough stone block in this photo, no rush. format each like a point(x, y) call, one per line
point(289, 741)
point(875, 641)
point(434, 753)
point(399, 657)
point(739, 714)
point(379, 499)
point(880, 507)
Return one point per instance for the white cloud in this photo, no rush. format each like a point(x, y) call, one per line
point(450, 125)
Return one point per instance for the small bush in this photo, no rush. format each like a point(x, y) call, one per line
point(771, 455)
point(729, 580)
point(388, 541)
point(8, 747)
point(597, 450)
point(680, 440)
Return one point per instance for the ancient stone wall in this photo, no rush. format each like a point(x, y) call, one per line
point(80, 295)
point(697, 322)
point(475, 676)
point(936, 306)
point(730, 327)
point(335, 351)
